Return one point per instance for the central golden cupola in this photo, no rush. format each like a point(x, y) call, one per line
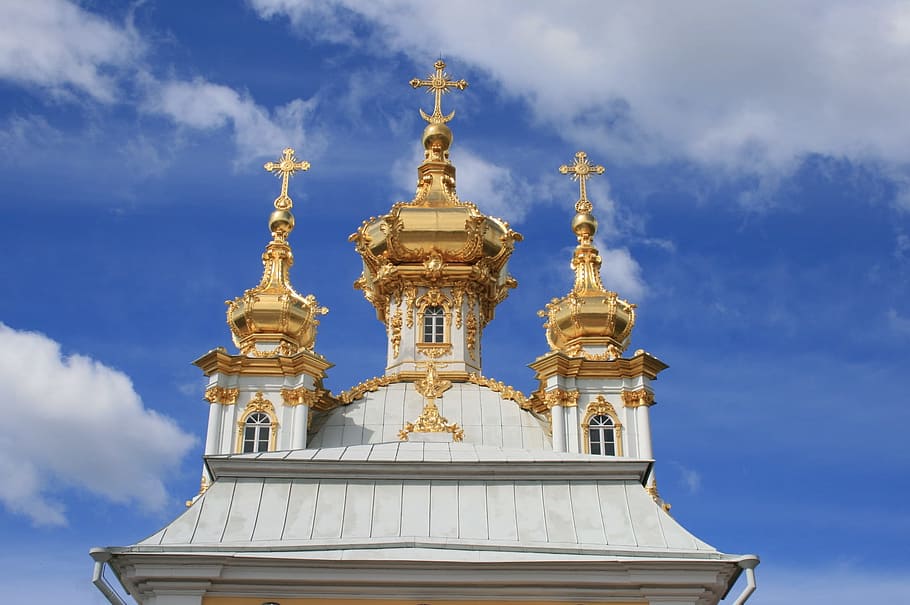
point(435, 267)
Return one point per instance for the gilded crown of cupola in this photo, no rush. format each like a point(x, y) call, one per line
point(435, 239)
point(272, 318)
point(590, 321)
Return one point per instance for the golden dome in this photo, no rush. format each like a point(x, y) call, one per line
point(272, 318)
point(435, 239)
point(590, 321)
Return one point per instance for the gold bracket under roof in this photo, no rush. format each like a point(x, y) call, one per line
point(285, 168)
point(581, 171)
point(439, 84)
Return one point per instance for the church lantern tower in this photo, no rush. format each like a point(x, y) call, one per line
point(598, 400)
point(260, 398)
point(434, 267)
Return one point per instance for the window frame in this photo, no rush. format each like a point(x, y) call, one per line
point(601, 407)
point(257, 405)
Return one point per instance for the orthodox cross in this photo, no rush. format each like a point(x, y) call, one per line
point(581, 171)
point(285, 168)
point(438, 84)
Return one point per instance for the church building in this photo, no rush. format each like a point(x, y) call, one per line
point(429, 483)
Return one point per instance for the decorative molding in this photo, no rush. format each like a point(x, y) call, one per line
point(557, 363)
point(367, 386)
point(471, 334)
point(638, 398)
point(222, 395)
point(505, 391)
point(435, 350)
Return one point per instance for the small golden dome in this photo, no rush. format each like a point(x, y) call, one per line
point(272, 318)
point(590, 321)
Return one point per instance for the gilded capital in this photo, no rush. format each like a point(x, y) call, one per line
point(221, 395)
point(558, 397)
point(299, 396)
point(634, 399)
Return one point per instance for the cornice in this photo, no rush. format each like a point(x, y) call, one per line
point(220, 361)
point(556, 363)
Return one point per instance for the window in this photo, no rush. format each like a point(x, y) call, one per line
point(256, 432)
point(434, 324)
point(601, 436)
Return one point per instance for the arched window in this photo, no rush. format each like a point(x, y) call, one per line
point(434, 319)
point(601, 436)
point(256, 432)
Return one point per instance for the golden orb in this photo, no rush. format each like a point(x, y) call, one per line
point(281, 221)
point(584, 225)
point(437, 133)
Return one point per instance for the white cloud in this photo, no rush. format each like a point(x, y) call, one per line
point(75, 422)
point(622, 273)
point(735, 87)
point(495, 189)
point(203, 105)
point(56, 45)
point(836, 585)
point(688, 477)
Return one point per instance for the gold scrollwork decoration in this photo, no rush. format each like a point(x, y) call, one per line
point(222, 395)
point(634, 399)
point(430, 420)
point(561, 398)
point(395, 331)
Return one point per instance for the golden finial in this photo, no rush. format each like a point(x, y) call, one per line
point(581, 171)
point(438, 84)
point(285, 169)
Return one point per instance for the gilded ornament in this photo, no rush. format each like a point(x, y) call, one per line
point(395, 331)
point(634, 399)
point(222, 395)
point(434, 350)
point(505, 391)
point(303, 396)
point(430, 420)
point(367, 386)
point(471, 334)
point(581, 171)
point(284, 169)
point(438, 84)
point(560, 398)
point(259, 404)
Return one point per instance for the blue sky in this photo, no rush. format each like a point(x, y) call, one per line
point(755, 206)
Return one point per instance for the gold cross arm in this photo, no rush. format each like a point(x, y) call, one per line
point(581, 171)
point(285, 168)
point(439, 84)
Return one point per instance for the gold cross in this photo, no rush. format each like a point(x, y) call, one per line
point(581, 171)
point(285, 169)
point(438, 84)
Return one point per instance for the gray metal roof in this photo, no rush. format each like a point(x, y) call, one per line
point(456, 499)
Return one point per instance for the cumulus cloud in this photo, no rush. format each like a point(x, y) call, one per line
point(732, 86)
point(898, 323)
point(204, 105)
point(56, 45)
point(75, 422)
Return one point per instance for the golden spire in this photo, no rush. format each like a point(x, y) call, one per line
point(438, 84)
point(581, 171)
point(272, 318)
point(285, 168)
point(590, 321)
